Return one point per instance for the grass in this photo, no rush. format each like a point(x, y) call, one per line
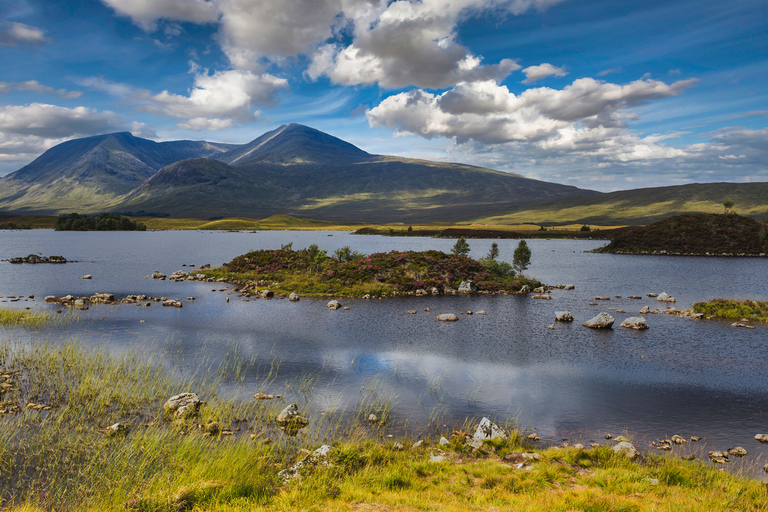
point(728, 309)
point(16, 317)
point(58, 458)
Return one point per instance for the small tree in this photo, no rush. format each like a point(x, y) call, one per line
point(410, 229)
point(494, 252)
point(461, 248)
point(727, 206)
point(585, 228)
point(522, 257)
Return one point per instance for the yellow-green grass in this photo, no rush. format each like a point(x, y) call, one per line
point(730, 309)
point(61, 459)
point(35, 221)
point(15, 317)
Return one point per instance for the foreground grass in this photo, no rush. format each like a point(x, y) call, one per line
point(729, 309)
point(56, 457)
point(15, 317)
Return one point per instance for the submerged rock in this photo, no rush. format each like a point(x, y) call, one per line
point(718, 457)
point(665, 297)
point(290, 421)
point(762, 438)
point(635, 322)
point(601, 321)
point(563, 316)
point(334, 304)
point(447, 317)
point(737, 451)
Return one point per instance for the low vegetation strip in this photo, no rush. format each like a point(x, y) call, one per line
point(700, 234)
point(102, 222)
point(14, 317)
point(726, 309)
point(312, 272)
point(71, 440)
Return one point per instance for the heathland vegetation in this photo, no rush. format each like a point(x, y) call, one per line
point(73, 440)
point(729, 309)
point(312, 271)
point(700, 233)
point(102, 222)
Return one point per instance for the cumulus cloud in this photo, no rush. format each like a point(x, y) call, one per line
point(146, 13)
point(535, 73)
point(35, 86)
point(17, 34)
point(51, 121)
point(217, 99)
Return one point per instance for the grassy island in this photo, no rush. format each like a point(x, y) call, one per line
point(312, 272)
point(696, 233)
point(61, 449)
point(725, 309)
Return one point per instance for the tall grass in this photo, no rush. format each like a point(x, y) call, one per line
point(19, 317)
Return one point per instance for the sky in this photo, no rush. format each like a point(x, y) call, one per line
point(600, 94)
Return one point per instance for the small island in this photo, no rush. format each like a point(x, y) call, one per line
point(730, 309)
point(102, 222)
point(704, 234)
point(346, 273)
point(34, 258)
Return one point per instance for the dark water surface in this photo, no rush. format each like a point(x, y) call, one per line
point(678, 377)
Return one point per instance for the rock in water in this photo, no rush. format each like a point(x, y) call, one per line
point(447, 317)
point(718, 457)
point(183, 405)
point(294, 297)
point(737, 452)
point(334, 304)
point(665, 297)
point(601, 321)
point(635, 322)
point(563, 316)
point(762, 438)
point(87, 276)
point(627, 449)
point(290, 421)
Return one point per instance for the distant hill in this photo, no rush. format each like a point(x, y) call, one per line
point(640, 206)
point(697, 233)
point(87, 174)
point(294, 170)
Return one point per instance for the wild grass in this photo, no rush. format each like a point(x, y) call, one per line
point(729, 309)
point(19, 317)
point(58, 457)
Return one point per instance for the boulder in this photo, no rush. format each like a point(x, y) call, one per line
point(183, 405)
point(447, 317)
point(87, 276)
point(52, 299)
point(601, 321)
point(158, 275)
point(627, 449)
point(334, 304)
point(665, 297)
point(486, 431)
point(373, 419)
point(481, 312)
point(542, 297)
point(434, 291)
point(534, 437)
point(563, 316)
point(118, 429)
point(762, 438)
point(540, 289)
point(737, 451)
point(645, 310)
point(263, 396)
point(290, 421)
point(635, 322)
point(467, 287)
point(718, 457)
point(602, 297)
point(443, 442)
point(294, 297)
point(314, 459)
point(267, 294)
point(679, 439)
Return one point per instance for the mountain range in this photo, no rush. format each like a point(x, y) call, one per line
point(294, 170)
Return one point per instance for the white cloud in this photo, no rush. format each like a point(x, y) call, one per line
point(35, 86)
point(15, 34)
point(215, 99)
point(99, 83)
point(204, 123)
point(146, 13)
point(535, 73)
point(51, 121)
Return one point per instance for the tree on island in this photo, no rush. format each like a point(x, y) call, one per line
point(522, 257)
point(728, 206)
point(494, 252)
point(461, 248)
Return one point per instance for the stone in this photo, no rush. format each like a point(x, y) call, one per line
point(602, 297)
point(52, 299)
point(397, 446)
point(436, 458)
point(263, 396)
point(551, 326)
point(467, 287)
point(267, 294)
point(665, 297)
point(290, 421)
point(563, 316)
point(695, 439)
point(542, 297)
point(652, 295)
point(601, 321)
point(434, 291)
point(481, 312)
point(447, 317)
point(718, 457)
point(627, 449)
point(334, 304)
point(158, 275)
point(690, 456)
point(411, 311)
point(443, 441)
point(737, 451)
point(534, 437)
point(645, 310)
point(87, 276)
point(417, 444)
point(635, 322)
point(765, 468)
point(183, 405)
point(521, 458)
point(373, 419)
point(314, 459)
point(540, 289)
point(762, 438)
point(486, 431)
point(678, 439)
point(294, 297)
point(118, 429)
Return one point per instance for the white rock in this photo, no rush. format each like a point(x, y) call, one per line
point(563, 316)
point(444, 441)
point(447, 317)
point(334, 304)
point(665, 297)
point(601, 321)
point(635, 322)
point(625, 448)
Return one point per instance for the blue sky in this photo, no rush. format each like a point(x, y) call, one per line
point(601, 94)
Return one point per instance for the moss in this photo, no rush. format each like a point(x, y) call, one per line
point(726, 309)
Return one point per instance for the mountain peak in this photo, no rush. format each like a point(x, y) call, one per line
point(295, 144)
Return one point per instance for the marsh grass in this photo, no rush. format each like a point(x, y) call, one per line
point(30, 319)
point(58, 457)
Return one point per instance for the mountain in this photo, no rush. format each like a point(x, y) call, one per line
point(640, 206)
point(301, 171)
point(293, 170)
point(86, 174)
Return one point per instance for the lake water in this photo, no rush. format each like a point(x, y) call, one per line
point(678, 377)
